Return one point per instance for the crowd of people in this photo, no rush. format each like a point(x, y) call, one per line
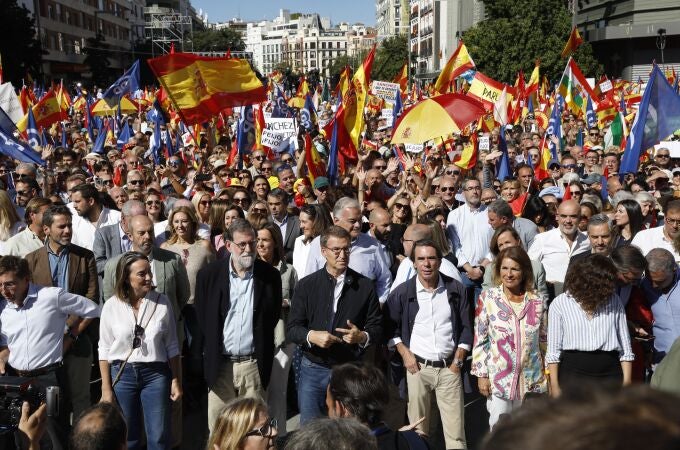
point(244, 288)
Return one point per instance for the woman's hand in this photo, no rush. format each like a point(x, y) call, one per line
point(32, 426)
point(484, 386)
point(107, 397)
point(175, 390)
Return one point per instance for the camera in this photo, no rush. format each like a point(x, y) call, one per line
point(14, 391)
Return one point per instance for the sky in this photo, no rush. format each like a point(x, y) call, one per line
point(351, 11)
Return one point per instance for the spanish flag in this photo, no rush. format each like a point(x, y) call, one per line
point(573, 43)
point(402, 78)
point(534, 81)
point(343, 84)
point(488, 90)
point(459, 63)
point(298, 101)
point(468, 159)
point(202, 86)
point(47, 111)
point(354, 99)
point(315, 166)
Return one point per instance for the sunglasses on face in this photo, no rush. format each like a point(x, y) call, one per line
point(153, 202)
point(136, 182)
point(663, 156)
point(206, 203)
point(447, 189)
point(20, 176)
point(259, 210)
point(173, 163)
point(400, 206)
point(452, 172)
point(287, 161)
point(265, 430)
point(259, 157)
point(240, 200)
point(380, 167)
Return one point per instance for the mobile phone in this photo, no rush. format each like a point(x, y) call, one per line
point(202, 177)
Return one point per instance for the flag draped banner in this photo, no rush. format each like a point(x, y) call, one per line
point(458, 63)
point(658, 116)
point(201, 87)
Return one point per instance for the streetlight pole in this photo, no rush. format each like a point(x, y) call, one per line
point(661, 43)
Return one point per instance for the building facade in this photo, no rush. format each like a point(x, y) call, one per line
point(628, 35)
point(391, 18)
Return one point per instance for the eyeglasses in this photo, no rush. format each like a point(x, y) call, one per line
point(241, 177)
point(153, 202)
point(137, 340)
point(240, 200)
point(322, 188)
point(259, 157)
point(259, 210)
point(594, 134)
point(452, 172)
point(8, 285)
point(663, 156)
point(265, 430)
point(287, 160)
point(266, 169)
point(673, 222)
point(242, 245)
point(400, 206)
point(570, 166)
point(20, 176)
point(174, 163)
point(205, 202)
point(135, 182)
point(22, 193)
point(447, 189)
point(576, 193)
point(380, 167)
point(336, 251)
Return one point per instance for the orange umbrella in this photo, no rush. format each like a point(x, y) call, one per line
point(438, 116)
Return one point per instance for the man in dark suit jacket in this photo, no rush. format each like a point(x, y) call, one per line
point(334, 315)
point(277, 200)
point(113, 240)
point(238, 303)
point(60, 263)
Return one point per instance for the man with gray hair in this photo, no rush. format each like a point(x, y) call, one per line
point(367, 256)
point(660, 286)
point(599, 235)
point(500, 213)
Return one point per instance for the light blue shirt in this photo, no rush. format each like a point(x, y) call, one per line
point(366, 257)
point(666, 312)
point(58, 266)
point(237, 334)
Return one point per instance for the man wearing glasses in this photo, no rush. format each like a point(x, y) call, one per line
point(661, 237)
point(662, 158)
point(334, 316)
point(239, 308)
point(448, 188)
point(135, 181)
point(26, 189)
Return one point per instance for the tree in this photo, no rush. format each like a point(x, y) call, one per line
point(390, 57)
point(96, 51)
point(218, 41)
point(516, 33)
point(336, 66)
point(19, 47)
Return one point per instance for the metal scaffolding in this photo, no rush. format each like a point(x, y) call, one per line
point(165, 27)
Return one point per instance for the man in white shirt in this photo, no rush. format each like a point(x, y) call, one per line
point(33, 236)
point(432, 335)
point(470, 233)
point(91, 215)
point(554, 248)
point(367, 255)
point(662, 237)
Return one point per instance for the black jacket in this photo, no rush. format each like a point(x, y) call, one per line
point(311, 310)
point(212, 305)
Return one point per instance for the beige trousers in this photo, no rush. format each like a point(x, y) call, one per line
point(448, 389)
point(234, 380)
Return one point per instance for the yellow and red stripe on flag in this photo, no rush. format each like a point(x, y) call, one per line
point(541, 170)
point(574, 41)
point(354, 100)
point(47, 111)
point(402, 78)
point(468, 159)
point(200, 87)
point(488, 90)
point(315, 166)
point(458, 63)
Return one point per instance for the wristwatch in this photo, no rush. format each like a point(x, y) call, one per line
point(458, 363)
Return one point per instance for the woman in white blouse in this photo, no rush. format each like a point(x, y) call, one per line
point(139, 354)
point(588, 339)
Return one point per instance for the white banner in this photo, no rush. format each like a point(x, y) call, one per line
point(9, 102)
point(385, 90)
point(271, 138)
point(484, 143)
point(413, 148)
point(606, 86)
point(387, 115)
point(282, 126)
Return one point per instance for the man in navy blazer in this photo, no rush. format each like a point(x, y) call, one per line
point(428, 323)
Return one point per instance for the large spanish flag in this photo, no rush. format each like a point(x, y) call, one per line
point(355, 98)
point(458, 64)
point(488, 90)
point(47, 111)
point(402, 78)
point(200, 87)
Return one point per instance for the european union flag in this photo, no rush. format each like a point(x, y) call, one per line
point(333, 162)
point(124, 135)
point(658, 117)
point(126, 84)
point(32, 130)
point(308, 114)
point(555, 126)
point(18, 150)
point(246, 129)
point(281, 109)
point(591, 118)
point(6, 123)
point(397, 108)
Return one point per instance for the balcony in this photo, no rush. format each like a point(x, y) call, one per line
point(426, 31)
point(414, 13)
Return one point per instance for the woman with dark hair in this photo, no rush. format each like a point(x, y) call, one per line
point(139, 354)
point(537, 211)
point(260, 188)
point(588, 210)
point(313, 220)
point(154, 206)
point(245, 178)
point(270, 250)
point(231, 213)
point(628, 221)
point(510, 332)
point(216, 221)
point(588, 339)
point(504, 237)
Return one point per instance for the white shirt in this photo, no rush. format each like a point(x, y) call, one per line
point(22, 243)
point(551, 249)
point(470, 233)
point(34, 333)
point(117, 330)
point(83, 229)
point(406, 271)
point(432, 333)
point(283, 225)
point(160, 228)
point(125, 242)
point(366, 257)
point(646, 240)
point(300, 255)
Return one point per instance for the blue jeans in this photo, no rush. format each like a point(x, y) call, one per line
point(314, 380)
point(144, 388)
point(472, 290)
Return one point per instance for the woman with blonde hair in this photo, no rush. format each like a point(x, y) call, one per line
point(202, 202)
point(510, 190)
point(243, 424)
point(10, 222)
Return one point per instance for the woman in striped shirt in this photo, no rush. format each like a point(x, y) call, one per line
point(588, 339)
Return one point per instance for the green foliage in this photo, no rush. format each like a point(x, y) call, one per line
point(335, 67)
point(19, 46)
point(218, 41)
point(516, 33)
point(390, 58)
point(96, 51)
